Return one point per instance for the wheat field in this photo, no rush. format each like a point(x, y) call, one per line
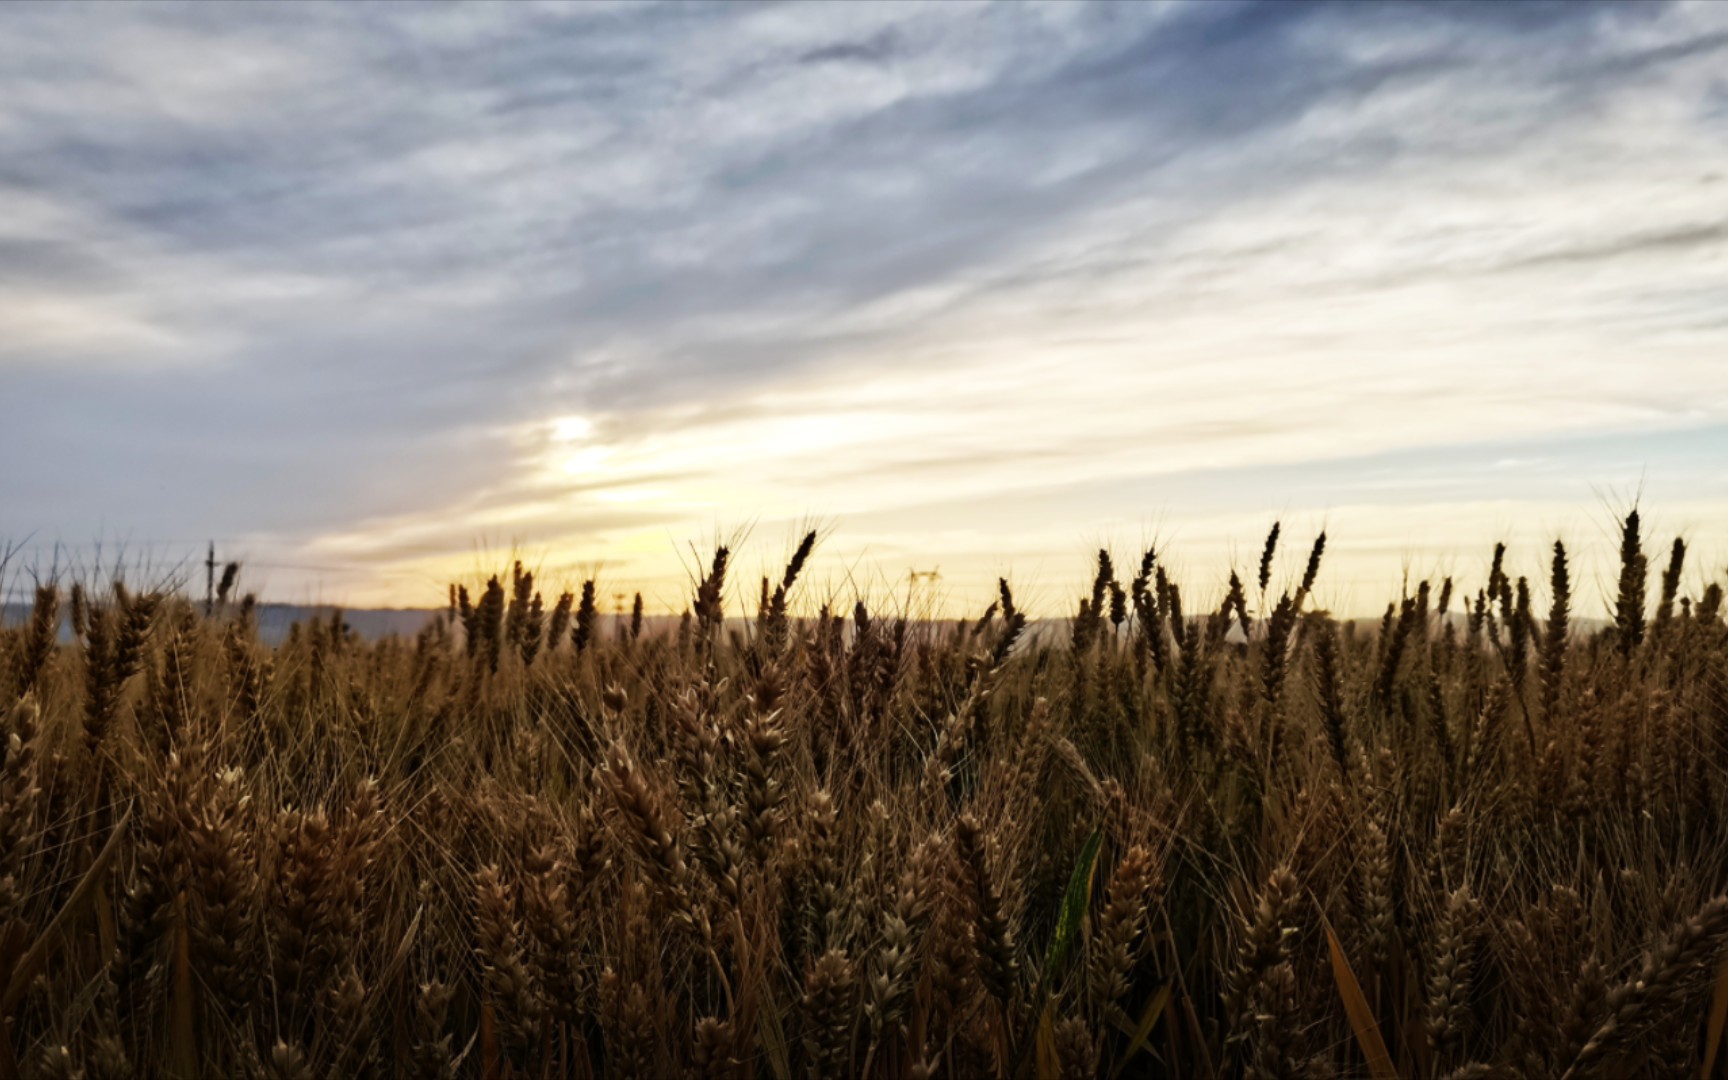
point(1250, 841)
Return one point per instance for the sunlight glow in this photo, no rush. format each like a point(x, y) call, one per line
point(571, 428)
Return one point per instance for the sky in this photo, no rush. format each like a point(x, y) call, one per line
point(375, 296)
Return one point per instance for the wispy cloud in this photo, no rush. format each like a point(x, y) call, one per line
point(325, 280)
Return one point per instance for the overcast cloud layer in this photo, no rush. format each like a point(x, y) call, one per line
point(367, 292)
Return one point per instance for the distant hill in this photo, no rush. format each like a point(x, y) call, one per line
point(370, 623)
point(275, 619)
point(374, 623)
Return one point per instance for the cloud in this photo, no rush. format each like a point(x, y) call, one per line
point(1658, 242)
point(878, 48)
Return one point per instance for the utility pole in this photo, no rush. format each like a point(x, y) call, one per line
point(210, 581)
